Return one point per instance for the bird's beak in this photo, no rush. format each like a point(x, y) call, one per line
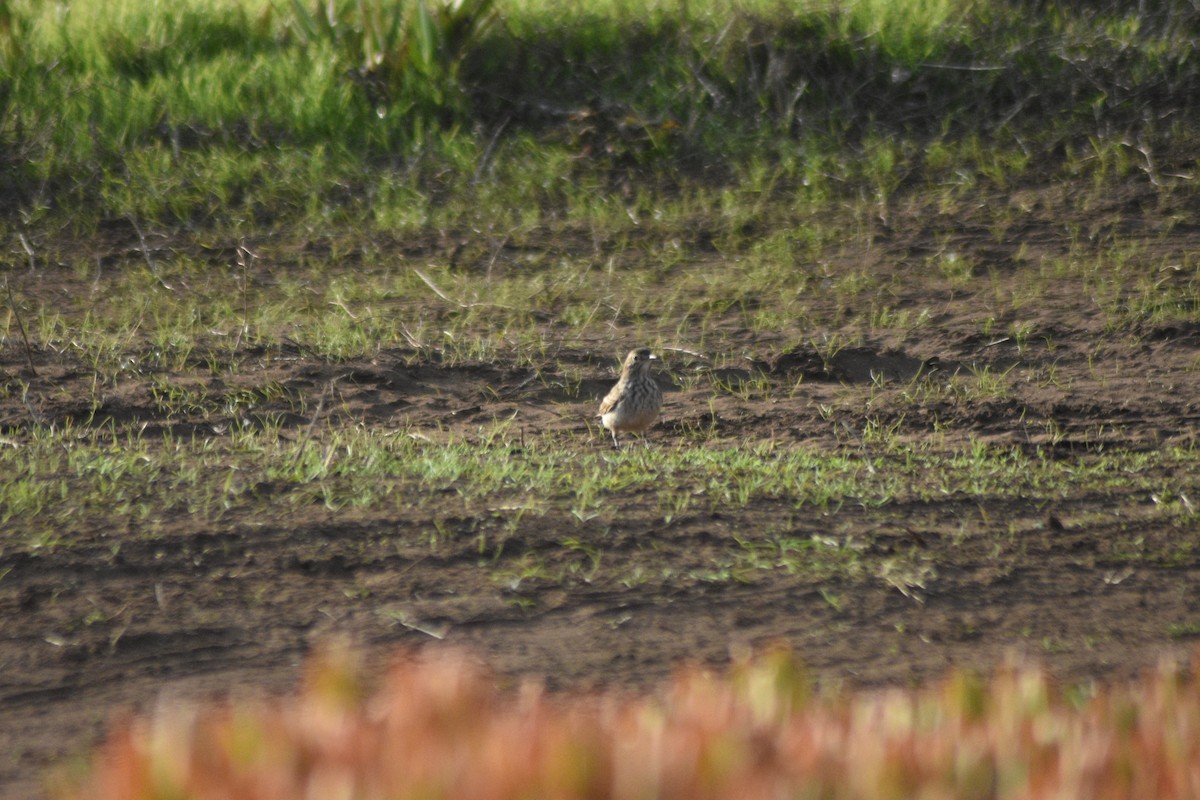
point(653, 357)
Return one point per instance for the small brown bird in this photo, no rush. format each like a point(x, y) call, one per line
point(632, 405)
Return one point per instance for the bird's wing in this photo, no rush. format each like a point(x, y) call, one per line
point(611, 399)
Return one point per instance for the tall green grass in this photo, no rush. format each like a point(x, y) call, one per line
point(209, 112)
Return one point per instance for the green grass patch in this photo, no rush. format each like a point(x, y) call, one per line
point(213, 115)
point(77, 481)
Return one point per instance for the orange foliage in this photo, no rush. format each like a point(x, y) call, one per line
point(436, 728)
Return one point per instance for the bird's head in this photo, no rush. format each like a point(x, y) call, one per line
point(639, 359)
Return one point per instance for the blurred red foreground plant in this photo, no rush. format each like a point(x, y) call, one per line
point(436, 727)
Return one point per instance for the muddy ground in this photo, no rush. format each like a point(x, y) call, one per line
point(195, 611)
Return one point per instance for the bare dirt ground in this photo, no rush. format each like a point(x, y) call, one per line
point(196, 611)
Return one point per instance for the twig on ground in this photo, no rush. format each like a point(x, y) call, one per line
point(495, 255)
point(244, 256)
point(20, 326)
point(429, 282)
point(145, 248)
point(28, 250)
point(308, 432)
point(685, 351)
point(487, 153)
point(35, 415)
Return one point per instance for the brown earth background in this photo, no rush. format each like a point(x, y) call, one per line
point(198, 611)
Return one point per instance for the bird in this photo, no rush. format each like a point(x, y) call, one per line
point(633, 403)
